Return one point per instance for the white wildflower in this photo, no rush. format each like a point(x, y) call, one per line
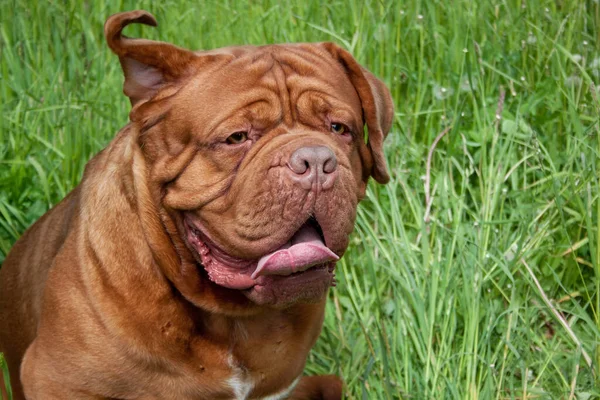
point(530, 375)
point(441, 93)
point(509, 255)
point(468, 85)
point(572, 81)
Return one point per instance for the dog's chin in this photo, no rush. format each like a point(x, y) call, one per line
point(309, 286)
point(299, 271)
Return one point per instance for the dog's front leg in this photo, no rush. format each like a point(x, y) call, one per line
point(40, 382)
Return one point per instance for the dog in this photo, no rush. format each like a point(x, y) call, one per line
point(194, 259)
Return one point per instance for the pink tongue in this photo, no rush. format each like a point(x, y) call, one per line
point(304, 250)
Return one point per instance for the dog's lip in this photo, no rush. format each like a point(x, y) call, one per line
point(222, 268)
point(304, 252)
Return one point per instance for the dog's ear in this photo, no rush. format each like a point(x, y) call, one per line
point(377, 105)
point(147, 64)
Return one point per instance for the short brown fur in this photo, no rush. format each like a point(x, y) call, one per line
point(102, 298)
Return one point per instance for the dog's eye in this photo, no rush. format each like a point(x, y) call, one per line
point(338, 128)
point(237, 138)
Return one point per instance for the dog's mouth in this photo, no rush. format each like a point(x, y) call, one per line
point(300, 269)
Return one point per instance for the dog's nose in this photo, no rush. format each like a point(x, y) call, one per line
point(316, 164)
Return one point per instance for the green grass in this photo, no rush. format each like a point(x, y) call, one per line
point(444, 309)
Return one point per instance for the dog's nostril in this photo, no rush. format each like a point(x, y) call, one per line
point(330, 165)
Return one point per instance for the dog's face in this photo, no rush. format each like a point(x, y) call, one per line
point(256, 157)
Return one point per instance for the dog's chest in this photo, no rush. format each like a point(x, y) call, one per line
point(265, 355)
point(242, 383)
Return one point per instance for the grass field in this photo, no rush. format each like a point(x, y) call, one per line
point(478, 278)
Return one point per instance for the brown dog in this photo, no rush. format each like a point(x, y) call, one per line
point(194, 259)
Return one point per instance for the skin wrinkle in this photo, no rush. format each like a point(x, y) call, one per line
point(280, 79)
point(224, 133)
point(223, 185)
point(253, 152)
point(259, 145)
point(300, 62)
point(311, 58)
point(288, 206)
point(125, 187)
point(102, 278)
point(248, 158)
point(151, 122)
point(215, 195)
point(340, 112)
point(180, 170)
point(148, 109)
point(265, 95)
point(316, 54)
point(262, 204)
point(229, 179)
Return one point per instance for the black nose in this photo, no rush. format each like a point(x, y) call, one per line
point(313, 165)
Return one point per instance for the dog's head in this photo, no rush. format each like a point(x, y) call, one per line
point(255, 159)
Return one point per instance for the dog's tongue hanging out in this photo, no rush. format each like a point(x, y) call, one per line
point(305, 249)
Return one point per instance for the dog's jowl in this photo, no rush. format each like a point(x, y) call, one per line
point(193, 260)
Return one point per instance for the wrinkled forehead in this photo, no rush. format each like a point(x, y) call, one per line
point(277, 74)
point(303, 59)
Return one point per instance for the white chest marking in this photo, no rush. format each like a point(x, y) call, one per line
point(241, 383)
point(241, 387)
